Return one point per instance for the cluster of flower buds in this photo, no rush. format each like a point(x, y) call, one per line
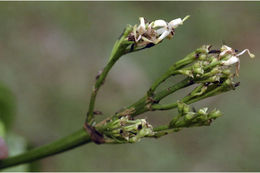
point(188, 118)
point(211, 67)
point(151, 33)
point(124, 130)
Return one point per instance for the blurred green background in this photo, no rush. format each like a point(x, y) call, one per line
point(50, 53)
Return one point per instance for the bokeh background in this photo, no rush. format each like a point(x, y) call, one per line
point(50, 53)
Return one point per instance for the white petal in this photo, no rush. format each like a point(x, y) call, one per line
point(159, 24)
point(231, 61)
point(175, 23)
point(160, 31)
point(141, 27)
point(165, 34)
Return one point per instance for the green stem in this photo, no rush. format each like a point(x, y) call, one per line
point(119, 49)
point(141, 105)
point(171, 71)
point(184, 83)
point(100, 80)
point(191, 99)
point(71, 141)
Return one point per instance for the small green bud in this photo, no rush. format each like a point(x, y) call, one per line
point(186, 72)
point(182, 108)
point(174, 120)
point(189, 116)
point(146, 131)
point(202, 118)
point(226, 72)
point(198, 70)
point(180, 123)
point(213, 79)
point(203, 111)
point(202, 57)
point(228, 84)
point(226, 57)
point(215, 70)
point(200, 92)
point(214, 114)
point(203, 49)
point(213, 60)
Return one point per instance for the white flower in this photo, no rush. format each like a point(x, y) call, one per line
point(228, 52)
point(164, 29)
point(155, 31)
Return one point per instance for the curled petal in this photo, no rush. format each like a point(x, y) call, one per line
point(164, 34)
point(231, 61)
point(161, 30)
point(175, 23)
point(141, 27)
point(159, 24)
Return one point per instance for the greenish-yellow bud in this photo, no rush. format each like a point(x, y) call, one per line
point(214, 114)
point(189, 116)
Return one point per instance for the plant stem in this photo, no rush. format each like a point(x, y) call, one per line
point(100, 80)
point(181, 63)
point(191, 99)
point(119, 49)
point(71, 141)
point(182, 84)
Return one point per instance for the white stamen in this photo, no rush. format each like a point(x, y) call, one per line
point(246, 50)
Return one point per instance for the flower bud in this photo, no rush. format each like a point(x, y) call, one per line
point(214, 114)
point(203, 111)
point(189, 116)
point(202, 56)
point(197, 68)
point(186, 72)
point(183, 108)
